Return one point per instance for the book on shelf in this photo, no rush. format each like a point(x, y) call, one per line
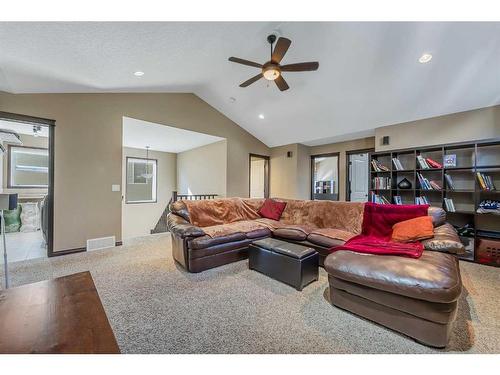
point(379, 199)
point(428, 163)
point(381, 183)
point(397, 164)
point(397, 199)
point(425, 184)
point(378, 166)
point(422, 163)
point(485, 181)
point(421, 200)
point(450, 206)
point(432, 163)
point(435, 185)
point(449, 181)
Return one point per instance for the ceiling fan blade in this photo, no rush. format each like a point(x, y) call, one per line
point(245, 62)
point(300, 67)
point(280, 49)
point(281, 83)
point(251, 80)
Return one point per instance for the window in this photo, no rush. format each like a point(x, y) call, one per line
point(141, 180)
point(325, 177)
point(28, 167)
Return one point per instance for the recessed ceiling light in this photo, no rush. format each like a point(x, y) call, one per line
point(138, 74)
point(232, 99)
point(425, 58)
point(261, 116)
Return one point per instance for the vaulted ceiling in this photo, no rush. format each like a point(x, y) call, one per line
point(369, 74)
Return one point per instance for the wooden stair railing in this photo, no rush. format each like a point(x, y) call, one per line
point(161, 225)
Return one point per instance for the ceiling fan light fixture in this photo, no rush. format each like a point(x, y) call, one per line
point(271, 74)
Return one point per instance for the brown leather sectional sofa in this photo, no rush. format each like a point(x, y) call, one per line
point(318, 224)
point(417, 297)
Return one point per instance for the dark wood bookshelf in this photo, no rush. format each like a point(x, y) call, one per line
point(467, 194)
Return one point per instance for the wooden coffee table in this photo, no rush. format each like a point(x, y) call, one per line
point(63, 315)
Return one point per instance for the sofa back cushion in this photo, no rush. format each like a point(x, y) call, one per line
point(347, 216)
point(209, 212)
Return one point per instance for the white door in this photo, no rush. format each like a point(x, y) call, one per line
point(358, 177)
point(257, 178)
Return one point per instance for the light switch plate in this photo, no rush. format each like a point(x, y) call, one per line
point(115, 187)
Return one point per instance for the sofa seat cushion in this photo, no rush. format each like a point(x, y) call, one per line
point(207, 241)
point(333, 233)
point(244, 226)
point(258, 233)
point(434, 277)
point(293, 232)
point(320, 240)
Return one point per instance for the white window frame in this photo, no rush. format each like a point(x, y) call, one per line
point(154, 185)
point(11, 181)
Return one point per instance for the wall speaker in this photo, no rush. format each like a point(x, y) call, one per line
point(385, 140)
point(289, 154)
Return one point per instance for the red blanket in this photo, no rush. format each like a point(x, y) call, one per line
point(375, 237)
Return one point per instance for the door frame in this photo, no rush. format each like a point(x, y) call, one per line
point(348, 170)
point(311, 184)
point(51, 124)
point(267, 172)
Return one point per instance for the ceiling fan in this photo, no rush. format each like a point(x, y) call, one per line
point(272, 69)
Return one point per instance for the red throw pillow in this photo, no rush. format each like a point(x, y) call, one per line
point(413, 230)
point(272, 209)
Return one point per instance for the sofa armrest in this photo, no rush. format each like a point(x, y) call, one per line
point(182, 228)
point(445, 240)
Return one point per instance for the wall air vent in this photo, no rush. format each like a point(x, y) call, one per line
point(101, 243)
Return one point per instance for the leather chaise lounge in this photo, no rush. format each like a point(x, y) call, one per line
point(417, 297)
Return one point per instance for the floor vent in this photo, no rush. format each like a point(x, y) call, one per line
point(100, 243)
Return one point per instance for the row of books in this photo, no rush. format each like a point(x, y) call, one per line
point(485, 181)
point(427, 163)
point(449, 205)
point(378, 166)
point(421, 200)
point(380, 199)
point(397, 164)
point(381, 182)
point(426, 184)
point(398, 200)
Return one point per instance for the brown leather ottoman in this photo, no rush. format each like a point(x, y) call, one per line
point(417, 297)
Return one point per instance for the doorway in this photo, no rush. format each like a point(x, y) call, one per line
point(358, 171)
point(325, 177)
point(27, 169)
point(258, 176)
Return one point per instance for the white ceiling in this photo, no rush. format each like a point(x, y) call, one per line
point(368, 77)
point(21, 128)
point(139, 134)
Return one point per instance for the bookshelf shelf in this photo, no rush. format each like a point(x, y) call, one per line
point(455, 168)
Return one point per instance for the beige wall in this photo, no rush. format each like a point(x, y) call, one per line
point(88, 151)
point(290, 177)
point(139, 218)
point(203, 170)
point(458, 127)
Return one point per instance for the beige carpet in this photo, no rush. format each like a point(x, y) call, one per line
point(156, 307)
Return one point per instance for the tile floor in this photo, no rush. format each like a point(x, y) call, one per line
point(24, 246)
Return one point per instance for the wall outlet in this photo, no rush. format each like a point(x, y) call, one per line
point(115, 187)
